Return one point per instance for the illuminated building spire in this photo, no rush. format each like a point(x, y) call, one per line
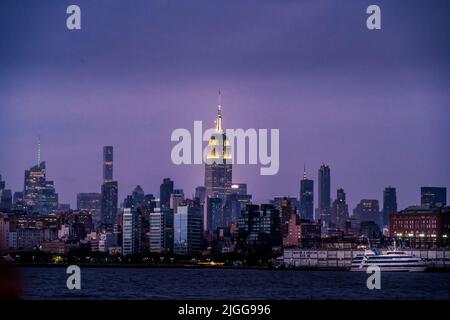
point(304, 172)
point(219, 128)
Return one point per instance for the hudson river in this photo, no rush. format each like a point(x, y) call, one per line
point(240, 284)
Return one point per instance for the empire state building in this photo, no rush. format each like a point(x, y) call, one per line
point(218, 168)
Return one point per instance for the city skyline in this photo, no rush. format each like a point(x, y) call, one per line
point(376, 118)
point(107, 164)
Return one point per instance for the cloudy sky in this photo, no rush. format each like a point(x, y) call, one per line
point(374, 105)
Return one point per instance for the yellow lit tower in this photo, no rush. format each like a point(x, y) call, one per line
point(218, 169)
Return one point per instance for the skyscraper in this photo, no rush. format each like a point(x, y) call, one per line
point(91, 202)
point(165, 190)
point(368, 210)
point(339, 212)
point(156, 231)
point(188, 229)
point(39, 193)
point(2, 183)
point(215, 211)
point(107, 163)
point(109, 189)
point(130, 231)
point(324, 193)
point(433, 196)
point(176, 198)
point(306, 198)
point(218, 169)
point(138, 196)
point(389, 204)
point(5, 196)
point(109, 202)
point(260, 226)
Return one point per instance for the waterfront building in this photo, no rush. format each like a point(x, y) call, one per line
point(421, 222)
point(29, 238)
point(293, 236)
point(130, 231)
point(157, 231)
point(4, 232)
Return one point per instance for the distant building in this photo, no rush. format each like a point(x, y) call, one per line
point(218, 169)
point(39, 193)
point(324, 178)
point(239, 188)
point(215, 212)
point(2, 183)
point(161, 231)
point(188, 230)
point(389, 204)
point(278, 201)
point(109, 203)
point(6, 199)
point(130, 231)
point(368, 210)
point(339, 212)
point(157, 231)
point(307, 198)
point(200, 194)
point(234, 204)
point(260, 226)
point(433, 196)
point(4, 232)
point(165, 190)
point(176, 198)
point(18, 201)
point(29, 238)
point(109, 192)
point(138, 196)
point(370, 230)
point(107, 164)
point(293, 236)
point(64, 207)
point(91, 202)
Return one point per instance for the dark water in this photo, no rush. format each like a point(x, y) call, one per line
point(151, 283)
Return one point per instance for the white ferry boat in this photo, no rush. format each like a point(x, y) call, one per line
point(393, 260)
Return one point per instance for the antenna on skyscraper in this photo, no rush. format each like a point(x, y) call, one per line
point(218, 121)
point(304, 171)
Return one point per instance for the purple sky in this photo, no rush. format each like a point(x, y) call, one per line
point(374, 105)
